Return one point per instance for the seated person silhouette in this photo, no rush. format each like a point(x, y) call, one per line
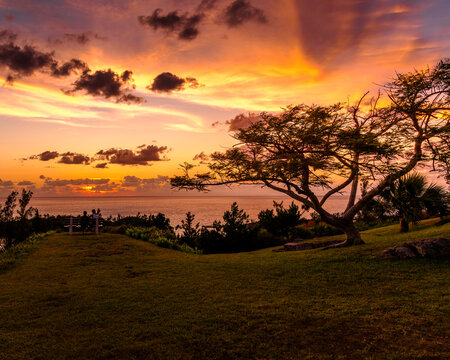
point(84, 222)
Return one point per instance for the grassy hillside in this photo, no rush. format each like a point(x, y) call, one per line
point(109, 296)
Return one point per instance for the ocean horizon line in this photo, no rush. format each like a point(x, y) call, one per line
point(160, 196)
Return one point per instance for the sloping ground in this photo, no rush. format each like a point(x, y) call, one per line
point(112, 297)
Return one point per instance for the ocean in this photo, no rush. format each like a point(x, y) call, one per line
point(205, 208)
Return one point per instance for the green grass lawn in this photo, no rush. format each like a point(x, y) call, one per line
point(112, 297)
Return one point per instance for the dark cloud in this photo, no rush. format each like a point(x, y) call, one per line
point(242, 11)
point(131, 181)
point(104, 188)
point(131, 99)
point(26, 60)
point(101, 166)
point(25, 183)
point(329, 29)
point(127, 184)
point(160, 179)
point(189, 33)
point(167, 82)
point(7, 35)
point(45, 156)
point(78, 185)
point(185, 25)
point(9, 17)
point(142, 156)
point(42, 177)
point(79, 38)
point(107, 84)
point(242, 121)
point(190, 28)
point(71, 158)
point(206, 5)
point(75, 182)
point(144, 184)
point(68, 68)
point(171, 22)
point(82, 38)
point(6, 184)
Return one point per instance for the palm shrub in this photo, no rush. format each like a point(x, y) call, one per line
point(411, 195)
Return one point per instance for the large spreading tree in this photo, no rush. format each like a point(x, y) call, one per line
point(311, 152)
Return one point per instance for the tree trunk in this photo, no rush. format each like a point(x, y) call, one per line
point(353, 236)
point(404, 225)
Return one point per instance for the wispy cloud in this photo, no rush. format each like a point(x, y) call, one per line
point(188, 128)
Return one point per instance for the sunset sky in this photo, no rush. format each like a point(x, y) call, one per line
point(110, 96)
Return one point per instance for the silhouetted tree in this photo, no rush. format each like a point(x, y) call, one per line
point(235, 221)
point(307, 148)
point(282, 221)
point(190, 230)
point(24, 211)
point(7, 218)
point(7, 212)
point(160, 221)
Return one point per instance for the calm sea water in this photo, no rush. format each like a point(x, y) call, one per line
point(205, 208)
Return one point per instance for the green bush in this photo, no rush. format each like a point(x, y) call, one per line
point(233, 235)
point(265, 238)
point(300, 232)
point(280, 220)
point(322, 229)
point(159, 238)
point(10, 255)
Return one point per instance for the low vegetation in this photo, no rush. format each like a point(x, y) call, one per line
point(12, 255)
point(159, 238)
point(110, 296)
point(275, 227)
point(234, 233)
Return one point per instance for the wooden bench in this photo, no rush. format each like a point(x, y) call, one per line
point(72, 223)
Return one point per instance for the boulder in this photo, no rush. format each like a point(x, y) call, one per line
point(431, 248)
point(401, 252)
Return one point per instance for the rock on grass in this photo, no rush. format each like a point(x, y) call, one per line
point(430, 248)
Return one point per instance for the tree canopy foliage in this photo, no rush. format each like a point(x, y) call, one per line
point(311, 152)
